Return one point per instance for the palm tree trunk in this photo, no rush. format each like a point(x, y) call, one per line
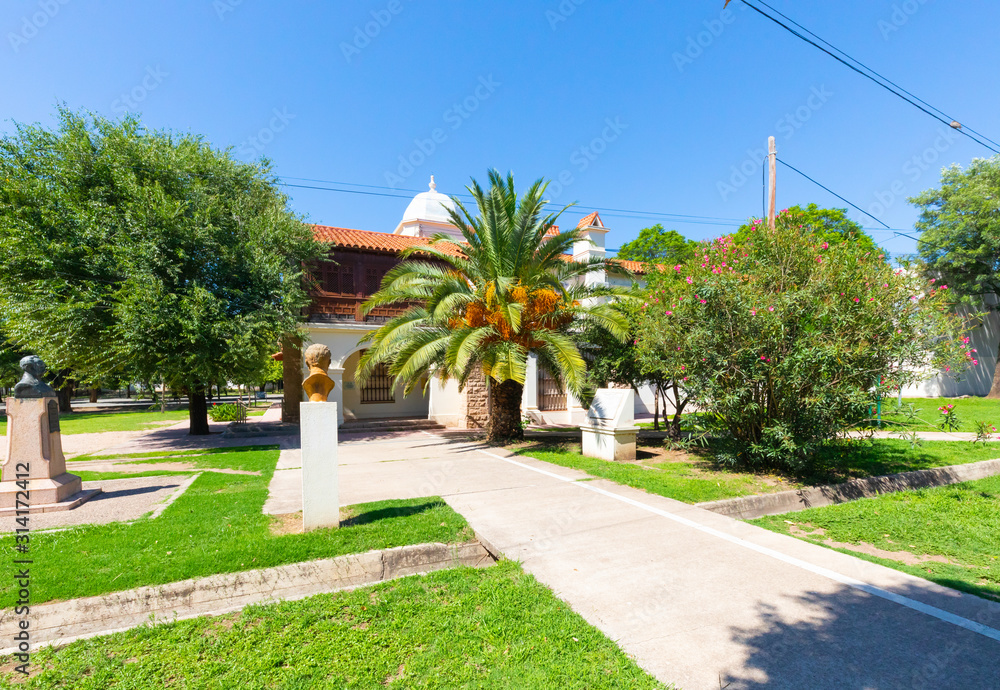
point(505, 413)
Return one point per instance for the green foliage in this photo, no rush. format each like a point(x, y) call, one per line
point(948, 419)
point(656, 244)
point(227, 412)
point(483, 305)
point(960, 229)
point(138, 253)
point(272, 373)
point(830, 225)
point(985, 432)
point(785, 339)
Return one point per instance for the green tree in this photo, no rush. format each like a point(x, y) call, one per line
point(960, 235)
point(272, 372)
point(612, 360)
point(658, 245)
point(785, 339)
point(145, 254)
point(483, 305)
point(832, 225)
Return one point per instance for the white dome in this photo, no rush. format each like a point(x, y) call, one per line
point(429, 206)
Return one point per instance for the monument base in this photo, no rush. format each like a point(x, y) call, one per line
point(41, 491)
point(609, 443)
point(69, 503)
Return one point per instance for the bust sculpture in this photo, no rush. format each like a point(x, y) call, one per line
point(31, 384)
point(318, 384)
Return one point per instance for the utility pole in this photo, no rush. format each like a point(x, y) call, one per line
point(772, 161)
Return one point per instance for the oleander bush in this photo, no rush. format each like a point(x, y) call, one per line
point(785, 340)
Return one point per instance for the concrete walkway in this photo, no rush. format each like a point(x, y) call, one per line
point(694, 596)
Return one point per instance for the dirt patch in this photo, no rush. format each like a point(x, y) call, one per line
point(904, 557)
point(660, 454)
point(396, 676)
point(291, 523)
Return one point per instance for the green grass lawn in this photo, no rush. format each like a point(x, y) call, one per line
point(970, 410)
point(959, 522)
point(217, 527)
point(491, 628)
point(95, 422)
point(697, 478)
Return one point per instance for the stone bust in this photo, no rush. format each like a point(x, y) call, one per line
point(318, 384)
point(31, 384)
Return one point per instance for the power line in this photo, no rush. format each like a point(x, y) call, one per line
point(624, 213)
point(854, 206)
point(874, 76)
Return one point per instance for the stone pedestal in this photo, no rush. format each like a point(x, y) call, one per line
point(610, 432)
point(34, 452)
point(320, 481)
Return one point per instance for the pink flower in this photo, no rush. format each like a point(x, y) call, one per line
point(703, 301)
point(947, 368)
point(932, 280)
point(824, 245)
point(819, 259)
point(682, 367)
point(669, 313)
point(856, 300)
point(690, 280)
point(770, 308)
point(677, 267)
point(944, 287)
point(753, 312)
point(885, 285)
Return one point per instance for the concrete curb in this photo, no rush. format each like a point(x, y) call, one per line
point(750, 507)
point(60, 623)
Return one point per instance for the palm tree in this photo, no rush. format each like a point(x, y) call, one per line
point(483, 305)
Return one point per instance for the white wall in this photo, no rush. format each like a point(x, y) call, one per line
point(978, 380)
point(445, 403)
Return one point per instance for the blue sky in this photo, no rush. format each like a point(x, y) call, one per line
point(639, 106)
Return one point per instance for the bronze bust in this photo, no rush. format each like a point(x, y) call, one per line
point(31, 384)
point(318, 384)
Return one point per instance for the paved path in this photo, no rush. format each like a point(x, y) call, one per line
point(692, 595)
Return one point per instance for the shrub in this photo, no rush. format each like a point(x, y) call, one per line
point(785, 340)
point(227, 412)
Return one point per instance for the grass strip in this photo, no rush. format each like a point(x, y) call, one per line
point(217, 527)
point(960, 523)
point(493, 628)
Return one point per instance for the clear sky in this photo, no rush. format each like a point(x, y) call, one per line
point(638, 106)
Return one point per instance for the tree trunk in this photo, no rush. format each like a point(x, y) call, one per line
point(94, 392)
point(505, 413)
point(128, 391)
point(656, 408)
point(197, 411)
point(291, 371)
point(995, 389)
point(65, 395)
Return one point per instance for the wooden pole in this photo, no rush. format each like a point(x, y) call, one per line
point(772, 161)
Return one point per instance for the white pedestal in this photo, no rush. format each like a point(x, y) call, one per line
point(320, 493)
point(609, 443)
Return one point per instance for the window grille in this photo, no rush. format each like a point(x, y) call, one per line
point(379, 388)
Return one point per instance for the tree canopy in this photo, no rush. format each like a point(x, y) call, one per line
point(656, 244)
point(960, 234)
point(832, 225)
point(147, 254)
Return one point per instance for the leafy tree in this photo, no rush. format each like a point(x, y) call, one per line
point(785, 339)
point(832, 225)
point(145, 254)
point(960, 235)
point(658, 245)
point(271, 373)
point(483, 305)
point(611, 360)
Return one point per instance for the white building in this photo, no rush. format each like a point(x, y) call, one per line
point(359, 260)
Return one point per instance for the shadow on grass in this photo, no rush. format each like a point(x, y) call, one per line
point(389, 513)
point(847, 638)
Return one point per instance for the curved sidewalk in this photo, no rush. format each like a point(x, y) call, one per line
point(699, 599)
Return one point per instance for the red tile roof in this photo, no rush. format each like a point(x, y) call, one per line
point(553, 231)
point(366, 239)
point(589, 221)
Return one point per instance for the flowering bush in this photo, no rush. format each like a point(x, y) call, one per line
point(949, 418)
point(786, 339)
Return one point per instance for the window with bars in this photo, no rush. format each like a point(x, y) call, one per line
point(379, 386)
